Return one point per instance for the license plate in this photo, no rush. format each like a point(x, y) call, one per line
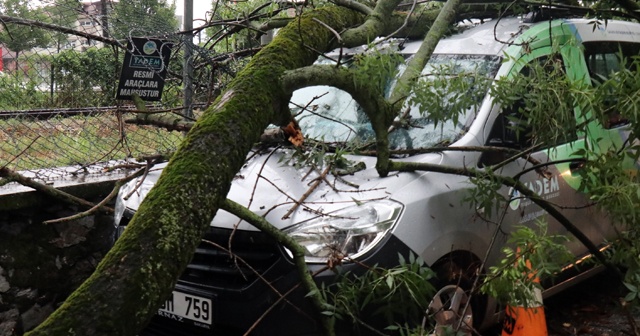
point(180, 307)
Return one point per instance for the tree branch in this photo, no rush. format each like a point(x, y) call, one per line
point(379, 111)
point(313, 187)
point(140, 271)
point(112, 194)
point(376, 24)
point(524, 190)
point(631, 7)
point(293, 246)
point(273, 23)
point(61, 29)
point(440, 26)
point(50, 191)
point(166, 121)
point(356, 6)
point(146, 117)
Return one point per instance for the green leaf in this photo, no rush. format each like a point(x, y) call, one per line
point(631, 296)
point(630, 287)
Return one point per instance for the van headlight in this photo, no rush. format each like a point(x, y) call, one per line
point(350, 232)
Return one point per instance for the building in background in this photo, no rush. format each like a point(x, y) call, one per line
point(89, 21)
point(7, 59)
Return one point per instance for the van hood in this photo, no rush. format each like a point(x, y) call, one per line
point(271, 187)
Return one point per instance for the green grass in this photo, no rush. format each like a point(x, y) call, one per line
point(27, 144)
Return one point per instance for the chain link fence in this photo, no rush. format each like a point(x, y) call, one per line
point(59, 70)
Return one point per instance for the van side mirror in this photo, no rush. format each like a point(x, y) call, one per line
point(513, 131)
point(508, 131)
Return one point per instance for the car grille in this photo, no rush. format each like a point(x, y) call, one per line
point(252, 254)
point(212, 266)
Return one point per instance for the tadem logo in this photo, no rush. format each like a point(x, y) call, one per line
point(545, 188)
point(149, 48)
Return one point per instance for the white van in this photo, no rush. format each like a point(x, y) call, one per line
point(372, 219)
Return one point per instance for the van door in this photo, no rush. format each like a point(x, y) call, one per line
point(602, 58)
point(547, 169)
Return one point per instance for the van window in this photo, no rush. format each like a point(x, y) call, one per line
point(605, 58)
point(513, 128)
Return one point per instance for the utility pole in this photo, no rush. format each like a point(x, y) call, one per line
point(187, 74)
point(104, 18)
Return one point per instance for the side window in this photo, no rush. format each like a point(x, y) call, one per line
point(512, 128)
point(606, 58)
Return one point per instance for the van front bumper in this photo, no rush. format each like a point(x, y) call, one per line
point(262, 292)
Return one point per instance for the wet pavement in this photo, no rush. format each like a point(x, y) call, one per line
point(592, 308)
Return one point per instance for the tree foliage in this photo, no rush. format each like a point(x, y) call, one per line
point(131, 18)
point(19, 38)
point(85, 78)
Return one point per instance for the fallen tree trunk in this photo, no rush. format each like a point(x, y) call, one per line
point(137, 275)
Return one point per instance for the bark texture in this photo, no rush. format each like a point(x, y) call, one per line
point(140, 271)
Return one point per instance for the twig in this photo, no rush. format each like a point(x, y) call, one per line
point(150, 163)
point(266, 282)
point(50, 191)
point(524, 191)
point(404, 116)
point(357, 6)
point(297, 251)
point(264, 314)
point(335, 33)
point(32, 23)
point(124, 166)
point(112, 194)
point(306, 194)
point(404, 24)
point(253, 192)
point(22, 152)
point(348, 183)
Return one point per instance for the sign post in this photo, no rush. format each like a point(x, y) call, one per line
point(144, 68)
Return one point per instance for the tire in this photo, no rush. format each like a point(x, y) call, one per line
point(454, 304)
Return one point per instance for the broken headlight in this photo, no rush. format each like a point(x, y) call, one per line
point(350, 232)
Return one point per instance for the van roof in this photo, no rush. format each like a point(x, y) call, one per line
point(492, 37)
point(487, 38)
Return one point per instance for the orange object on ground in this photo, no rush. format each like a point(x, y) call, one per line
point(526, 321)
point(521, 321)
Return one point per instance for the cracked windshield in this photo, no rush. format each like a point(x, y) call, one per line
point(456, 85)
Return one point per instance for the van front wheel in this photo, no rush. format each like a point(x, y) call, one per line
point(451, 309)
point(455, 277)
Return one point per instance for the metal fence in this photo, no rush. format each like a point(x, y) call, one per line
point(59, 70)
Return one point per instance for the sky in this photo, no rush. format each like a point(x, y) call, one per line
point(200, 7)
